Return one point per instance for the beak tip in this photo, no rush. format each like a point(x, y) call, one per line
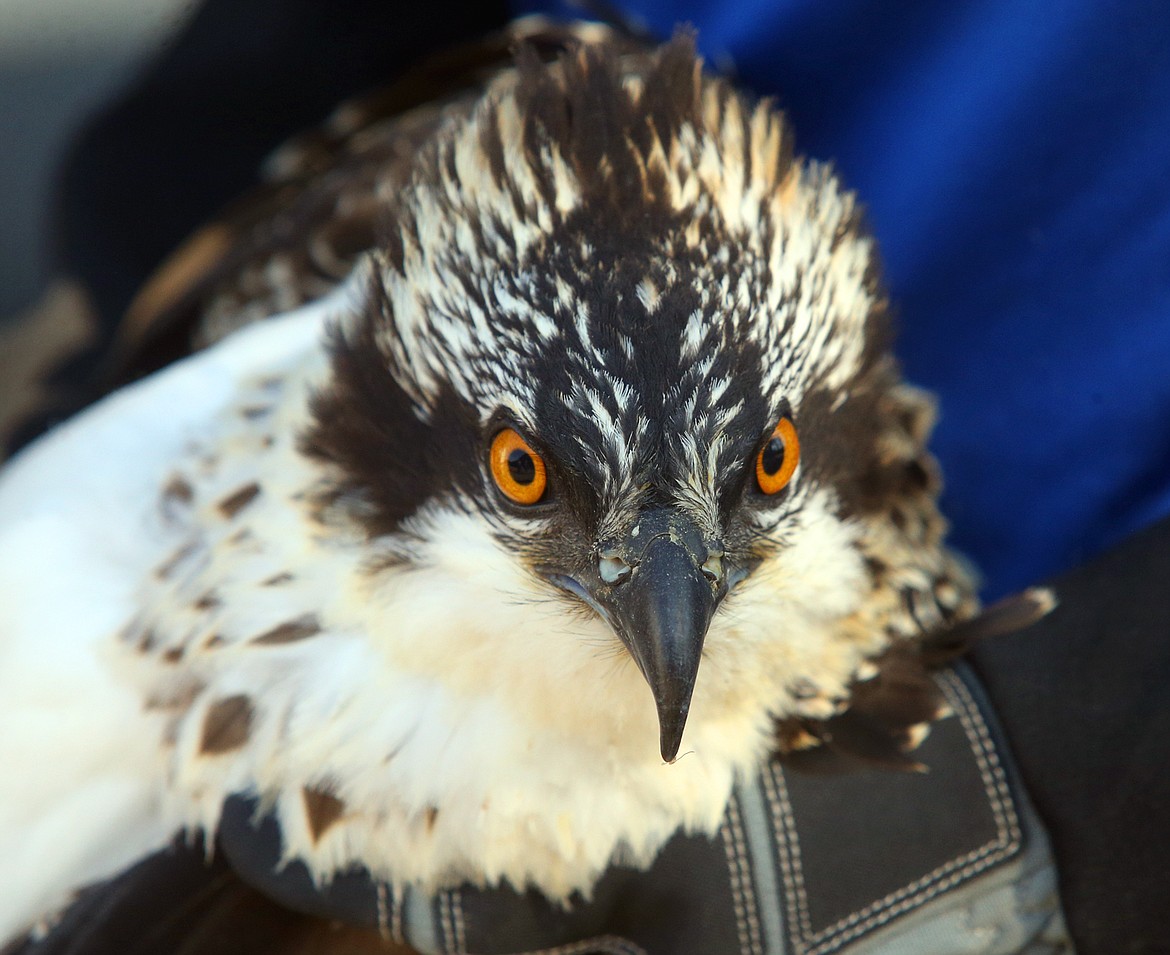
point(661, 611)
point(670, 739)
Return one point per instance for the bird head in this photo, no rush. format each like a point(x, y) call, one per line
point(618, 325)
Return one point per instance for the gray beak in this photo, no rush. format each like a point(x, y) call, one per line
point(658, 589)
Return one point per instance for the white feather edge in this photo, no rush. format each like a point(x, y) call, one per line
point(80, 766)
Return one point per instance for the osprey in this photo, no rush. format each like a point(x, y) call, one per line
point(577, 490)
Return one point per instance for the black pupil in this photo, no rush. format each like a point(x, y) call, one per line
point(772, 458)
point(521, 466)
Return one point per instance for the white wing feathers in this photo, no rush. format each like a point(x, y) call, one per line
point(80, 768)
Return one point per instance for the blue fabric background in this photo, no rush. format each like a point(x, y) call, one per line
point(1014, 156)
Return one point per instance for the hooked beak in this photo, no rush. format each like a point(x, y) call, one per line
point(658, 589)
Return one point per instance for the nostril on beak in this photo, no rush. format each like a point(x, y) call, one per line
point(613, 569)
point(713, 566)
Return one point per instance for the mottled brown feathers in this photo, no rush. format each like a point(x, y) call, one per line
point(178, 490)
point(860, 449)
point(1005, 616)
point(175, 560)
point(891, 708)
point(322, 810)
point(227, 725)
point(604, 129)
point(235, 502)
point(291, 631)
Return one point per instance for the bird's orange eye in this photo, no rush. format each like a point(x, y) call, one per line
point(517, 470)
point(777, 460)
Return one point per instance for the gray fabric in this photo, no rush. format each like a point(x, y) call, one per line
point(759, 839)
point(870, 848)
point(420, 923)
point(1012, 909)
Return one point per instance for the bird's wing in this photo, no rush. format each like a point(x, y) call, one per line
point(890, 711)
point(80, 529)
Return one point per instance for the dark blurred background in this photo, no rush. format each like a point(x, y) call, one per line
point(60, 60)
